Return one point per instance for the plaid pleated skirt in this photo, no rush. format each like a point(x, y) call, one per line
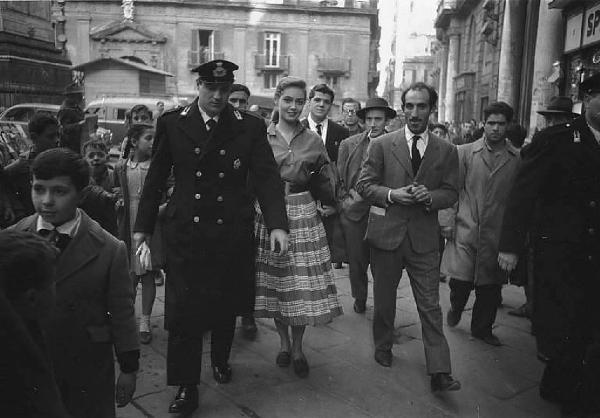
point(297, 288)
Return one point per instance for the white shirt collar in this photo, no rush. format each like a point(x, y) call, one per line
point(409, 135)
point(313, 125)
point(69, 228)
point(205, 116)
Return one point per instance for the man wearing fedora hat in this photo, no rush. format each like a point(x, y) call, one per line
point(555, 200)
point(408, 175)
point(353, 208)
point(216, 152)
point(559, 110)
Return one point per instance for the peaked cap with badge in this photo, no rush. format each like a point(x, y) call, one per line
point(216, 71)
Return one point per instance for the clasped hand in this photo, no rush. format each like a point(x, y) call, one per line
point(410, 195)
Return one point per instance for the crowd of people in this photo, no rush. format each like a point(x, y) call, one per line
point(249, 217)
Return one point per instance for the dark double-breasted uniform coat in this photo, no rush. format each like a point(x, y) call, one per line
point(209, 219)
point(556, 197)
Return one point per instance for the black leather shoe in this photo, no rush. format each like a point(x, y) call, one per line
point(249, 327)
point(360, 306)
point(301, 367)
point(338, 266)
point(222, 374)
point(186, 400)
point(490, 339)
point(384, 358)
point(453, 318)
point(443, 382)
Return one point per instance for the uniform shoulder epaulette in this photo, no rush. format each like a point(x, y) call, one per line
point(172, 111)
point(246, 113)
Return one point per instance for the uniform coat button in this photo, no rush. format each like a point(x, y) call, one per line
point(593, 204)
point(220, 199)
point(221, 175)
point(590, 258)
point(197, 150)
point(198, 173)
point(197, 196)
point(220, 221)
point(196, 219)
point(591, 231)
point(222, 152)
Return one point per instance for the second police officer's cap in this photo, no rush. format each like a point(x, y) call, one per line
point(216, 71)
point(590, 84)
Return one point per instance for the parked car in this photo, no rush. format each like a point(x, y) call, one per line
point(21, 114)
point(111, 112)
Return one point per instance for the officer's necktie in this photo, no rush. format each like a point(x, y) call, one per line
point(415, 156)
point(56, 238)
point(319, 130)
point(210, 124)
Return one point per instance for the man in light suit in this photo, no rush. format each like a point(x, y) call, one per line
point(407, 177)
point(353, 208)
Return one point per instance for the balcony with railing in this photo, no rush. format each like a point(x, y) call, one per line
point(271, 62)
point(334, 65)
point(202, 56)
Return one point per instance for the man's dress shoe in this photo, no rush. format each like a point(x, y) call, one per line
point(222, 374)
point(360, 306)
point(384, 358)
point(490, 339)
point(186, 400)
point(442, 382)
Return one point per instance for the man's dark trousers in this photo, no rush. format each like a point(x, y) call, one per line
point(185, 351)
point(358, 253)
point(487, 299)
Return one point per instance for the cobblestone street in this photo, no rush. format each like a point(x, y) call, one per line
point(346, 382)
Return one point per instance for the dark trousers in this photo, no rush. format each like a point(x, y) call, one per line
point(184, 352)
point(424, 274)
point(358, 253)
point(335, 238)
point(487, 299)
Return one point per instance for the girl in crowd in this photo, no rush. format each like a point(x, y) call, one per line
point(297, 289)
point(129, 177)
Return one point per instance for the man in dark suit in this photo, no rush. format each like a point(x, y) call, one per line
point(320, 100)
point(353, 208)
point(408, 176)
point(556, 200)
point(215, 152)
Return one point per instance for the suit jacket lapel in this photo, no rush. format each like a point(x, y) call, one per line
point(351, 155)
point(83, 248)
point(193, 125)
point(400, 151)
point(430, 155)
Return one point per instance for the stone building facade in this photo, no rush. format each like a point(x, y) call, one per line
point(321, 42)
point(523, 53)
point(33, 66)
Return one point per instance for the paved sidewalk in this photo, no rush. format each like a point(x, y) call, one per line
point(344, 379)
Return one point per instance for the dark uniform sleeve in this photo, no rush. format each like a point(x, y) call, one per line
point(155, 183)
point(267, 181)
point(533, 170)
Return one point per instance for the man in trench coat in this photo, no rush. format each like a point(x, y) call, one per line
point(486, 171)
point(215, 153)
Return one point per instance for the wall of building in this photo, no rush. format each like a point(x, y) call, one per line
point(309, 34)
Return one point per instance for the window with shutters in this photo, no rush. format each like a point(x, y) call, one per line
point(204, 47)
point(272, 49)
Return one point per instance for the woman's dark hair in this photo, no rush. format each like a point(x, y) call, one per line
point(516, 134)
point(26, 261)
point(134, 132)
point(58, 162)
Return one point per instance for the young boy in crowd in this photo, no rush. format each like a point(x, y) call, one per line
point(43, 132)
point(96, 154)
point(27, 297)
point(95, 300)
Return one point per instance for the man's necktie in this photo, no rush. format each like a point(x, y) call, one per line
point(210, 124)
point(319, 130)
point(56, 238)
point(415, 155)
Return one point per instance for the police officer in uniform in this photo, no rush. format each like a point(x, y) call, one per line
point(556, 198)
point(220, 159)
